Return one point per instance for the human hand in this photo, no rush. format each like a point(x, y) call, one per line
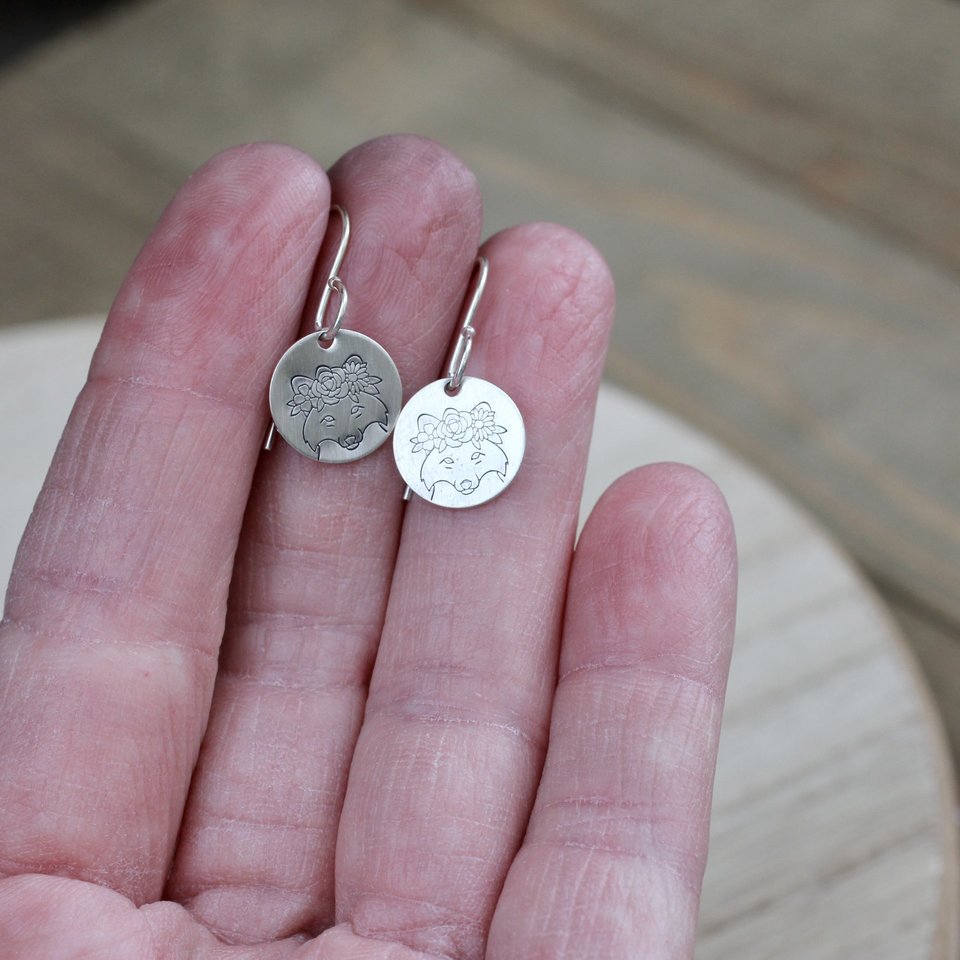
point(253, 707)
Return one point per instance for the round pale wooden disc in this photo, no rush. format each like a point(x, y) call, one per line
point(832, 830)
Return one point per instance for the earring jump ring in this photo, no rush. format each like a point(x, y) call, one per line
point(327, 334)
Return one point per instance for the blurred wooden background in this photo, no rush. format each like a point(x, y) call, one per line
point(776, 187)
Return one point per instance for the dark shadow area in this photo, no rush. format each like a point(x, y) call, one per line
point(24, 24)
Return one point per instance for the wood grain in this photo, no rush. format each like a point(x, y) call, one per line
point(854, 104)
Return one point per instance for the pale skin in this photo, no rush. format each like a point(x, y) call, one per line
point(253, 707)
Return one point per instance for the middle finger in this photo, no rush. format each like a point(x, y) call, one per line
point(255, 859)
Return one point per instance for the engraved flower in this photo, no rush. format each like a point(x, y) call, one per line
point(485, 424)
point(305, 396)
point(356, 377)
point(330, 384)
point(428, 438)
point(456, 428)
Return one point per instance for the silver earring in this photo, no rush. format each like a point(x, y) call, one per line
point(335, 394)
point(460, 440)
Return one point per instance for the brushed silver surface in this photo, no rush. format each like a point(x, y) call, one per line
point(335, 403)
point(461, 450)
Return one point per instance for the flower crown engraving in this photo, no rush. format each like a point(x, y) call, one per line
point(460, 448)
point(338, 404)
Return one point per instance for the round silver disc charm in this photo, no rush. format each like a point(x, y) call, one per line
point(335, 403)
point(462, 450)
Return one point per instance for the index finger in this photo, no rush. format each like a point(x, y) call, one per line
point(116, 603)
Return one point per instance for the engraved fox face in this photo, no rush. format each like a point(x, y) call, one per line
point(338, 404)
point(463, 467)
point(345, 423)
point(461, 448)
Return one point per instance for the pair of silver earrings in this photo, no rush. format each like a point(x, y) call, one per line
point(336, 396)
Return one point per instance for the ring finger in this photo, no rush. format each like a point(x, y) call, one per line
point(455, 727)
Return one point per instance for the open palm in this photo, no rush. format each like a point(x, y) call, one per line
point(254, 707)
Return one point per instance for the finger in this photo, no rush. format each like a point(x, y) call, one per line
point(256, 856)
point(115, 608)
point(613, 858)
point(455, 725)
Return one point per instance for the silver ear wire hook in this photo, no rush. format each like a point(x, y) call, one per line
point(464, 343)
point(334, 283)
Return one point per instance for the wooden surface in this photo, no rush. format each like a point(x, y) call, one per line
point(832, 838)
point(854, 104)
point(775, 186)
